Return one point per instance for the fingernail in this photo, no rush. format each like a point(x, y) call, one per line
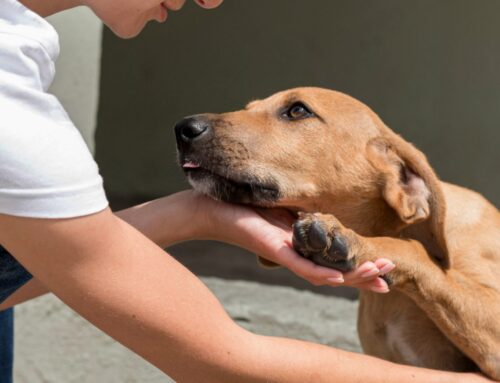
point(370, 273)
point(379, 289)
point(336, 280)
point(386, 268)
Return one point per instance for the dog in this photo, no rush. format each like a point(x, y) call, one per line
point(362, 192)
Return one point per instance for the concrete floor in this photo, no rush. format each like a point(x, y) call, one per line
point(53, 344)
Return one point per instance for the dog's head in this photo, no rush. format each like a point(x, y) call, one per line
point(313, 149)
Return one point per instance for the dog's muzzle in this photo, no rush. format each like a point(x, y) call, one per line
point(214, 172)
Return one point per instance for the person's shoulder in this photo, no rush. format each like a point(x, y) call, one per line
point(29, 46)
point(24, 28)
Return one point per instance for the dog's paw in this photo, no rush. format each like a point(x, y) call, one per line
point(322, 239)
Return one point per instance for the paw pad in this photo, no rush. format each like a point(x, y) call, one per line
point(318, 240)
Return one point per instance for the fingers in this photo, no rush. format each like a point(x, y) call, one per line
point(316, 275)
point(208, 4)
point(367, 271)
point(174, 5)
point(384, 265)
point(377, 285)
point(267, 235)
point(274, 244)
point(367, 276)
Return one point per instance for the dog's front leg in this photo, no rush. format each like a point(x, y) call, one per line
point(466, 311)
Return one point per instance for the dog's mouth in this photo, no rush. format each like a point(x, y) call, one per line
point(231, 186)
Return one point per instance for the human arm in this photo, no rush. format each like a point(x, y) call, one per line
point(178, 217)
point(265, 232)
point(127, 286)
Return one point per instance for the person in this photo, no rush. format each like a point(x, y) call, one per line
point(58, 234)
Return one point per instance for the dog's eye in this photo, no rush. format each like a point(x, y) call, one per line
point(297, 111)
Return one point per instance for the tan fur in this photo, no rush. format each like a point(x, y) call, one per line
point(444, 308)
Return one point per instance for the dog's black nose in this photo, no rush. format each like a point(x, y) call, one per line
point(191, 128)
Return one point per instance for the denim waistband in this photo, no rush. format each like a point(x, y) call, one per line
point(12, 274)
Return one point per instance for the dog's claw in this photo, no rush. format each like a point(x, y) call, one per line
point(387, 280)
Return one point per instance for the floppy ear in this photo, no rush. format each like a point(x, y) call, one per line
point(412, 189)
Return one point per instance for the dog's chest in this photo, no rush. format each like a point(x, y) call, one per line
point(387, 328)
point(398, 341)
point(393, 327)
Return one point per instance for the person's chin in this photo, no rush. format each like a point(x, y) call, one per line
point(128, 30)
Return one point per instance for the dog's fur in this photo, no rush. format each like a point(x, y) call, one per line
point(379, 198)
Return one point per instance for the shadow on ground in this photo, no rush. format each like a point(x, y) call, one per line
point(214, 259)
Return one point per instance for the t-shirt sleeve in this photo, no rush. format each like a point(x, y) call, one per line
point(46, 169)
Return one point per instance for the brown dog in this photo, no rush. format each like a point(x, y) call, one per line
point(314, 150)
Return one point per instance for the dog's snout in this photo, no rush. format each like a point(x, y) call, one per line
point(191, 128)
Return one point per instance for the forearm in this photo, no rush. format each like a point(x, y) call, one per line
point(166, 220)
point(297, 362)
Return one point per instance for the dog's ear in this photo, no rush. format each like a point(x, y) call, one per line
point(266, 263)
point(412, 189)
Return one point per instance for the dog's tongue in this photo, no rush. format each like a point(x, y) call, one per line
point(190, 165)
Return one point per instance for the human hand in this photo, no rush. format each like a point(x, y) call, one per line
point(268, 233)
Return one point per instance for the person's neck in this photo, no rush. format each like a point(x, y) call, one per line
point(49, 7)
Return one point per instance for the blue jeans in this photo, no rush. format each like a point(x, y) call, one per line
point(6, 345)
point(12, 276)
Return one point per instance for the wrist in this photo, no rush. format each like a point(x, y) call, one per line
point(184, 216)
point(175, 218)
point(199, 217)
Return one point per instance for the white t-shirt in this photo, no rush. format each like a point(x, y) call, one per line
point(46, 170)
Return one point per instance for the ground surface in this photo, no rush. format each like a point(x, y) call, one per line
point(54, 345)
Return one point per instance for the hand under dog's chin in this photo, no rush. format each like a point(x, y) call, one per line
point(245, 190)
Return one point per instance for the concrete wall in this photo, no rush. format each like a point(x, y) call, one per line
point(78, 68)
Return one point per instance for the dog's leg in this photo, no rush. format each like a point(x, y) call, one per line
point(449, 298)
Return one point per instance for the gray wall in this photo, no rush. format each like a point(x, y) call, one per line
point(76, 84)
point(429, 68)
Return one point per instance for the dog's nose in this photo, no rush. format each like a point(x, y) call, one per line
point(191, 128)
